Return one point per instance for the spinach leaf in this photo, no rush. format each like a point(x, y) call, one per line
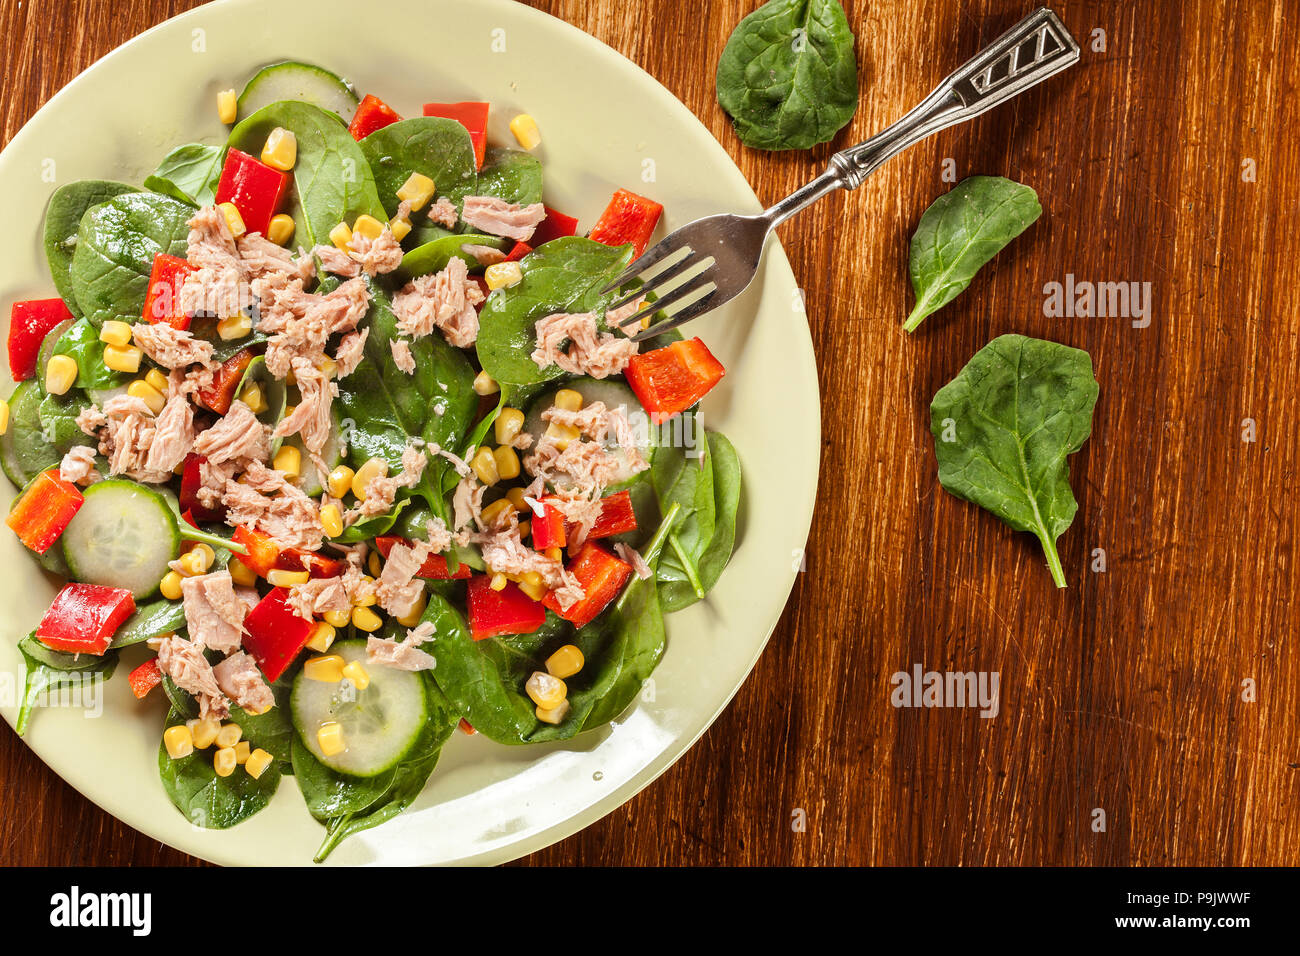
point(332, 181)
point(24, 452)
point(67, 206)
point(81, 343)
point(563, 275)
point(510, 175)
point(684, 477)
point(153, 619)
point(1003, 428)
point(274, 392)
point(433, 146)
point(960, 232)
point(51, 672)
point(433, 256)
point(116, 245)
point(209, 801)
point(788, 76)
point(675, 589)
point(58, 418)
point(189, 173)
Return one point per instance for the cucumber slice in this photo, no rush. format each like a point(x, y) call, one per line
point(47, 347)
point(303, 82)
point(24, 452)
point(123, 536)
point(615, 394)
point(381, 724)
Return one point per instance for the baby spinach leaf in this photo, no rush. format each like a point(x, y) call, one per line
point(24, 452)
point(67, 206)
point(49, 672)
point(209, 801)
point(433, 256)
point(81, 343)
point(684, 476)
point(510, 175)
point(1003, 428)
point(564, 275)
point(189, 173)
point(332, 181)
point(430, 145)
point(788, 76)
point(675, 589)
point(153, 619)
point(58, 418)
point(116, 245)
point(961, 231)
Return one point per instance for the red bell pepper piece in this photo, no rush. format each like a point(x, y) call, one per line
point(191, 482)
point(556, 225)
point(225, 380)
point(317, 565)
point(601, 575)
point(616, 516)
point(627, 218)
point(44, 510)
point(547, 529)
point(29, 323)
point(256, 189)
point(275, 634)
point(372, 114)
point(672, 379)
point(435, 565)
point(162, 302)
point(472, 116)
point(84, 617)
point(508, 611)
point(188, 517)
point(263, 552)
point(520, 250)
point(144, 678)
point(467, 728)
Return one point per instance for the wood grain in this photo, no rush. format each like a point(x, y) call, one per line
point(1123, 692)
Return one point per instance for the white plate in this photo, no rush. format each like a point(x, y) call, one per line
point(605, 124)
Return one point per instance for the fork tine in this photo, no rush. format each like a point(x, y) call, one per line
point(660, 250)
point(657, 281)
point(682, 291)
point(696, 308)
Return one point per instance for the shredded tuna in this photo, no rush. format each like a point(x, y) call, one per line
point(335, 260)
point(214, 614)
point(171, 347)
point(458, 463)
point(184, 663)
point(467, 503)
point(238, 434)
point(210, 243)
point(443, 212)
point(590, 351)
point(265, 500)
point(596, 422)
point(91, 419)
point(398, 590)
point(265, 260)
point(173, 435)
point(319, 596)
point(351, 350)
point(381, 491)
point(125, 437)
point(212, 480)
point(402, 356)
point(220, 286)
point(301, 323)
point(445, 301)
point(483, 255)
point(311, 418)
point(78, 466)
point(400, 655)
point(241, 681)
point(633, 557)
point(376, 256)
point(500, 218)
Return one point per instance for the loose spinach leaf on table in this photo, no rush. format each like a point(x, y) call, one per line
point(332, 180)
point(81, 343)
point(959, 233)
point(510, 175)
point(189, 173)
point(564, 275)
point(1003, 428)
point(50, 672)
point(675, 588)
point(62, 218)
point(209, 801)
point(116, 245)
point(433, 256)
point(788, 76)
point(430, 145)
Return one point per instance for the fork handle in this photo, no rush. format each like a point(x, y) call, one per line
point(1037, 47)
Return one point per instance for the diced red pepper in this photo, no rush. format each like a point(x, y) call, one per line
point(435, 565)
point(672, 379)
point(275, 634)
point(188, 517)
point(84, 618)
point(472, 116)
point(225, 380)
point(144, 678)
point(162, 302)
point(616, 516)
point(601, 575)
point(263, 552)
point(627, 218)
point(508, 611)
point(372, 114)
point(547, 528)
point(483, 288)
point(317, 565)
point(29, 323)
point(556, 225)
point(520, 250)
point(44, 510)
point(256, 189)
point(191, 482)
point(467, 728)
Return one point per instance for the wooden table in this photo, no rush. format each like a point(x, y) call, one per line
point(1166, 157)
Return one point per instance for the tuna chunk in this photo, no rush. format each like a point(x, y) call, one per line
point(402, 356)
point(265, 500)
point(445, 301)
point(184, 663)
point(214, 614)
point(238, 434)
point(483, 255)
point(125, 437)
point(311, 418)
point(351, 350)
point(443, 212)
point(173, 435)
point(319, 596)
point(381, 491)
point(590, 351)
point(500, 218)
point(171, 347)
point(78, 466)
point(302, 322)
point(399, 590)
point(241, 681)
point(633, 557)
point(403, 655)
point(376, 256)
point(336, 261)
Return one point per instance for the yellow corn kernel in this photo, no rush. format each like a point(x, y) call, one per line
point(368, 226)
point(235, 327)
point(517, 498)
point(535, 589)
point(508, 425)
point(337, 618)
point(502, 275)
point(417, 190)
point(254, 398)
point(229, 735)
point(125, 358)
point(280, 231)
point(341, 236)
point(331, 521)
point(525, 528)
point(507, 461)
point(553, 715)
point(204, 732)
point(485, 385)
point(354, 672)
point(328, 367)
point(4, 416)
point(555, 554)
point(258, 761)
point(367, 599)
point(170, 586)
point(61, 374)
point(327, 669)
point(494, 512)
point(227, 106)
point(114, 332)
point(279, 578)
point(485, 466)
point(206, 556)
point(417, 612)
point(148, 394)
point(322, 636)
point(281, 149)
point(178, 741)
point(190, 564)
point(568, 399)
point(400, 228)
point(157, 379)
point(339, 482)
point(527, 135)
point(498, 582)
point(562, 435)
point(223, 761)
point(373, 564)
point(330, 738)
point(233, 219)
point(242, 751)
point(545, 690)
point(242, 574)
point(373, 468)
point(565, 662)
point(365, 619)
point(288, 460)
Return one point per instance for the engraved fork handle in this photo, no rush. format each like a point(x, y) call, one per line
point(1037, 47)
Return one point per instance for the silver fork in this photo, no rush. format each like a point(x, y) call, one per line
point(712, 260)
